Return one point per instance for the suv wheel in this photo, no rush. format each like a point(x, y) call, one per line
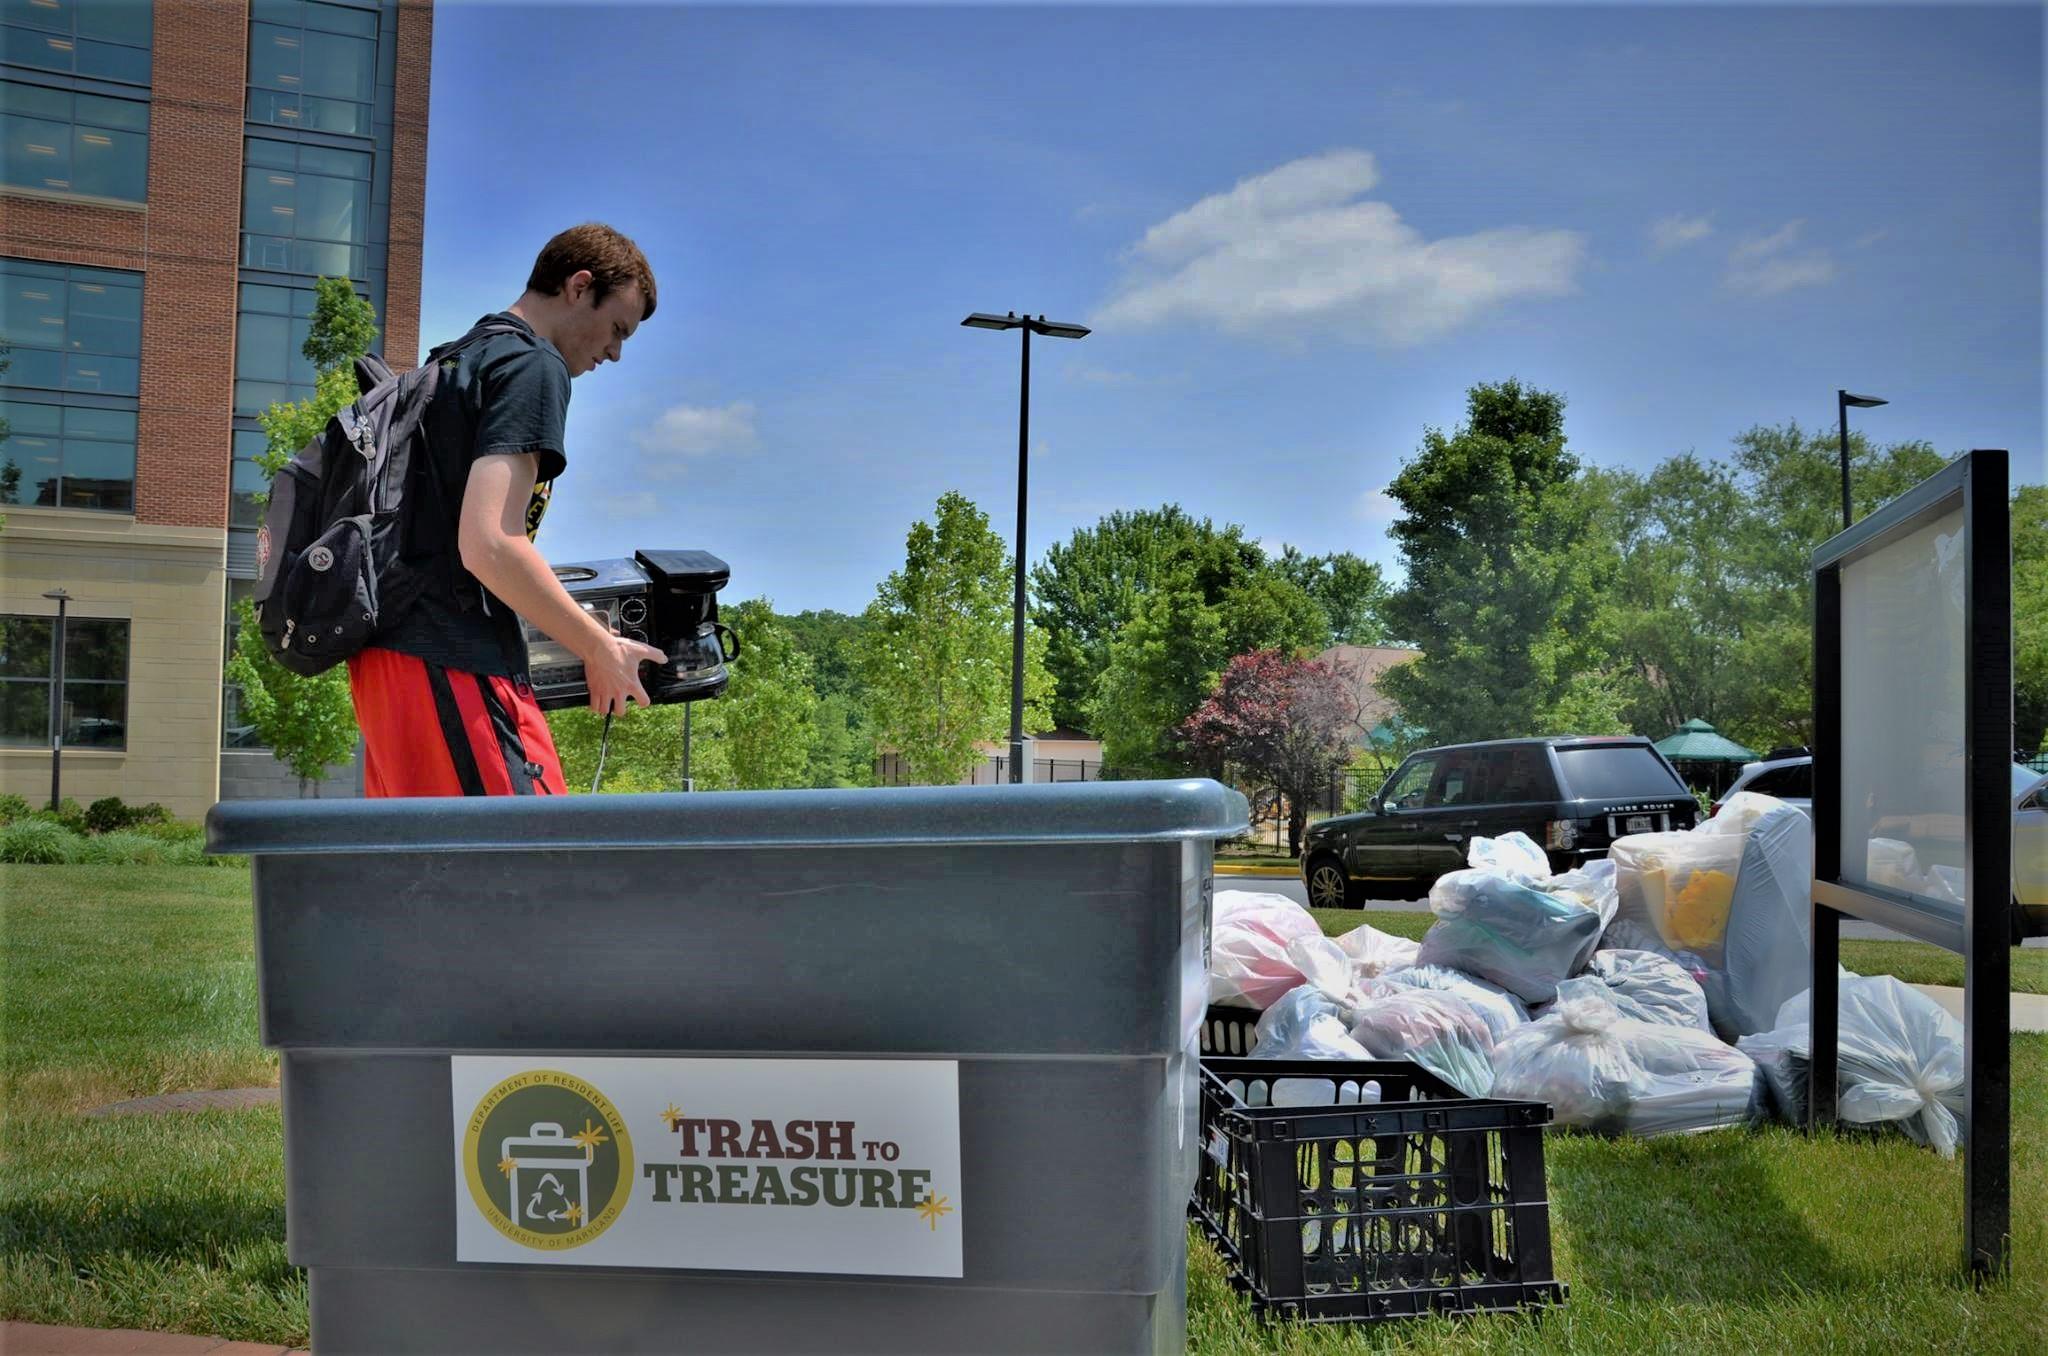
point(1328, 886)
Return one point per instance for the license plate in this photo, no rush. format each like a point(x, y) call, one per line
point(1640, 824)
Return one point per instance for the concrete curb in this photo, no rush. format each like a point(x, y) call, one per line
point(42, 1339)
point(1267, 872)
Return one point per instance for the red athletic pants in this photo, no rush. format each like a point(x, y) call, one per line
point(430, 731)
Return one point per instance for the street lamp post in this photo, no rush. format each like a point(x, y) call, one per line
point(1843, 400)
point(61, 598)
point(1055, 330)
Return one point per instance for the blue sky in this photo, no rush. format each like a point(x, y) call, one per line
point(1300, 235)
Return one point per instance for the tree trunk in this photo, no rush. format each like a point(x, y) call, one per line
point(302, 788)
point(1297, 824)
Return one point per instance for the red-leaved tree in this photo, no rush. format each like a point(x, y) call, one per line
point(1283, 722)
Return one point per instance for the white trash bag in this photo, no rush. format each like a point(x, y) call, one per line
point(1601, 1071)
point(1501, 1010)
point(1649, 987)
point(1900, 1060)
point(1439, 1031)
point(1373, 952)
point(1523, 931)
point(1307, 1022)
point(1249, 934)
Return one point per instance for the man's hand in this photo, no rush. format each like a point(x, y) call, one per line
point(612, 670)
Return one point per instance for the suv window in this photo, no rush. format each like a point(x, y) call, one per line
point(1796, 782)
point(1457, 780)
point(1616, 772)
point(1410, 785)
point(1516, 775)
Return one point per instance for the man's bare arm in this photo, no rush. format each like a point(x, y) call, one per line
point(492, 540)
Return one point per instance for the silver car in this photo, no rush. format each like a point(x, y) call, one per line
point(1791, 780)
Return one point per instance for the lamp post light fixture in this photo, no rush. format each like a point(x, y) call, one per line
point(60, 598)
point(981, 320)
point(1843, 400)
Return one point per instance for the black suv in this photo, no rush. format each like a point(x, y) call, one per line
point(1574, 794)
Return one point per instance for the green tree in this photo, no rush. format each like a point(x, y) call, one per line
point(935, 654)
point(769, 707)
point(646, 748)
point(842, 751)
point(1088, 588)
point(1350, 590)
point(832, 641)
point(1162, 666)
point(1502, 586)
point(308, 723)
point(1266, 611)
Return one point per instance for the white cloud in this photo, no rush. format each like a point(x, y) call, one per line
point(1100, 376)
point(1676, 232)
point(1376, 506)
point(628, 504)
point(694, 430)
point(1293, 250)
point(1869, 238)
point(1764, 266)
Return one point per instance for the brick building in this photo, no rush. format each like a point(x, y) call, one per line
point(174, 178)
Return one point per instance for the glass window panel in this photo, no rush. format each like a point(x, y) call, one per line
point(35, 152)
point(268, 300)
point(245, 495)
point(269, 154)
point(339, 67)
point(260, 347)
point(51, 14)
point(273, 106)
point(275, 56)
point(44, 51)
point(32, 312)
point(25, 419)
point(107, 277)
point(130, 65)
point(126, 21)
point(98, 372)
point(333, 209)
point(289, 12)
point(253, 397)
point(103, 320)
point(335, 115)
point(95, 647)
point(99, 475)
point(25, 713)
point(109, 164)
point(29, 268)
point(329, 261)
point(269, 199)
point(10, 478)
point(25, 647)
point(250, 442)
point(342, 19)
point(114, 425)
point(34, 101)
point(327, 160)
point(35, 367)
point(127, 114)
point(95, 714)
point(299, 368)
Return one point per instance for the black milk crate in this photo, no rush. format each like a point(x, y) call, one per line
point(1228, 1031)
point(1426, 1201)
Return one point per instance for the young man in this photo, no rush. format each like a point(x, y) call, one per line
point(441, 695)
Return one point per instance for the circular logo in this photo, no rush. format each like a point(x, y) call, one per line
point(320, 558)
point(548, 1160)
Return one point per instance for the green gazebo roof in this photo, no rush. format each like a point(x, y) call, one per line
point(1698, 742)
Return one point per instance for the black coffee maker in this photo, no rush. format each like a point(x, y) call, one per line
point(667, 599)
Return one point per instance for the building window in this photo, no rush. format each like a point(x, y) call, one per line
point(271, 325)
point(95, 681)
point(305, 209)
point(312, 66)
point(101, 39)
point(70, 329)
point(237, 731)
point(73, 457)
point(248, 485)
point(55, 141)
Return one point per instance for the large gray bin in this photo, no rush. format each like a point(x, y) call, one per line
point(1059, 938)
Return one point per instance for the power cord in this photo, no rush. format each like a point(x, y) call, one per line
point(604, 743)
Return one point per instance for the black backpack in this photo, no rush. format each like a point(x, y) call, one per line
point(329, 572)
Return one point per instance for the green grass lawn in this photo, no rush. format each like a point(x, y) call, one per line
point(121, 982)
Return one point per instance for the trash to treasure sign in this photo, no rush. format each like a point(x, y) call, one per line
point(840, 1166)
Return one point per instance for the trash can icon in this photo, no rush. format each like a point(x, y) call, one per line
point(548, 1178)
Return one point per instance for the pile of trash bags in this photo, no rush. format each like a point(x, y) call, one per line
point(1660, 991)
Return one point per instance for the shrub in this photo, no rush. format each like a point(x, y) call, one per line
point(106, 814)
point(38, 841)
point(122, 847)
point(13, 807)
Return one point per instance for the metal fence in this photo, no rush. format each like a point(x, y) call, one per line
point(893, 769)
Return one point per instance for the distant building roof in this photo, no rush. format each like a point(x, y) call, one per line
point(1363, 666)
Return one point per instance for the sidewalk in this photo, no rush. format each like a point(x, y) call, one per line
point(39, 1339)
point(2029, 1010)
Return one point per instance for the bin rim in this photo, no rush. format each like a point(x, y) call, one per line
point(920, 816)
